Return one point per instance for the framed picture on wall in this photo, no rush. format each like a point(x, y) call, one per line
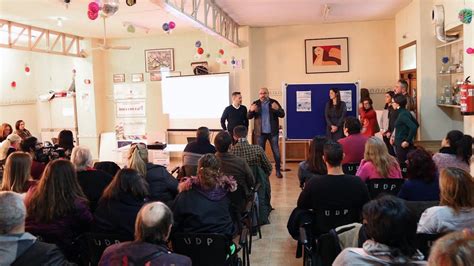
point(155, 59)
point(119, 78)
point(155, 76)
point(137, 77)
point(328, 55)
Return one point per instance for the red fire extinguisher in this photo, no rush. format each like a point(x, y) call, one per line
point(467, 98)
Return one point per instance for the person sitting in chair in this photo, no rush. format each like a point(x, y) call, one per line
point(194, 150)
point(152, 230)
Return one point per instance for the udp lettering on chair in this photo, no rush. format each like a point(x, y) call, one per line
point(336, 212)
point(197, 241)
point(106, 242)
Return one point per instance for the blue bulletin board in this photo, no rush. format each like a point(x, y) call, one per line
point(305, 105)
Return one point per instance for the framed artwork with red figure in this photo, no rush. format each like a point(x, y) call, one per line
point(328, 55)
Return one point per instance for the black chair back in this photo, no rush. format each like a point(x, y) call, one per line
point(108, 167)
point(384, 186)
point(350, 168)
point(330, 218)
point(92, 245)
point(424, 242)
point(418, 207)
point(203, 249)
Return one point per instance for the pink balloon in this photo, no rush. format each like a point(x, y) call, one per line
point(94, 7)
point(92, 15)
point(172, 25)
point(470, 50)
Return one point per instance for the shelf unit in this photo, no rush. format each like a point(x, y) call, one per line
point(451, 74)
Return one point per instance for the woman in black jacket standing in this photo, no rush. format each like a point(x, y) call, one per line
point(120, 203)
point(335, 112)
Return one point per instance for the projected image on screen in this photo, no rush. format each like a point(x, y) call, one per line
point(193, 101)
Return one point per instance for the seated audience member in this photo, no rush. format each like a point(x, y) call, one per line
point(120, 203)
point(109, 167)
point(377, 163)
point(456, 151)
point(18, 247)
point(92, 181)
point(66, 143)
point(453, 249)
point(29, 145)
point(16, 174)
point(231, 165)
point(193, 151)
point(314, 165)
point(368, 118)
point(162, 186)
point(391, 229)
point(57, 208)
point(354, 142)
point(10, 145)
point(254, 155)
point(21, 131)
point(334, 190)
point(203, 206)
point(422, 183)
point(456, 210)
point(152, 230)
point(5, 130)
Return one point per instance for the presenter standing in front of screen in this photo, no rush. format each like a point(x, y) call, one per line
point(235, 114)
point(266, 112)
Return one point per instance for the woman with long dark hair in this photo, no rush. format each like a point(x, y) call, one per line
point(335, 112)
point(21, 130)
point(368, 118)
point(17, 173)
point(314, 165)
point(120, 203)
point(387, 121)
point(57, 208)
point(66, 142)
point(456, 151)
point(405, 127)
point(422, 183)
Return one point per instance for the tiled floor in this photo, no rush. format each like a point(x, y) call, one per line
point(276, 247)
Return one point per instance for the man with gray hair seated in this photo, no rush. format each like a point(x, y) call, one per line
point(92, 181)
point(152, 229)
point(18, 247)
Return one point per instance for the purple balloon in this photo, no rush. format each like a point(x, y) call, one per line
point(166, 26)
point(197, 44)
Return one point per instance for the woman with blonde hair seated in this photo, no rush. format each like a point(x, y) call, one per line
point(161, 184)
point(17, 173)
point(377, 162)
point(9, 145)
point(456, 210)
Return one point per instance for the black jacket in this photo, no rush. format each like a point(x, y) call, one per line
point(117, 216)
point(274, 115)
point(196, 212)
point(161, 184)
point(93, 182)
point(41, 253)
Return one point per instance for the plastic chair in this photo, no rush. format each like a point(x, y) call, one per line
point(205, 249)
point(350, 168)
point(92, 245)
point(384, 186)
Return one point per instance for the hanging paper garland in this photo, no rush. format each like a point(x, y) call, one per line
point(465, 15)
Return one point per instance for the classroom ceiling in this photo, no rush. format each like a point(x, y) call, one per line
point(261, 13)
point(148, 15)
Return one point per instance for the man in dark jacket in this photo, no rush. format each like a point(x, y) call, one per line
point(232, 165)
point(152, 229)
point(235, 114)
point(266, 112)
point(18, 247)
